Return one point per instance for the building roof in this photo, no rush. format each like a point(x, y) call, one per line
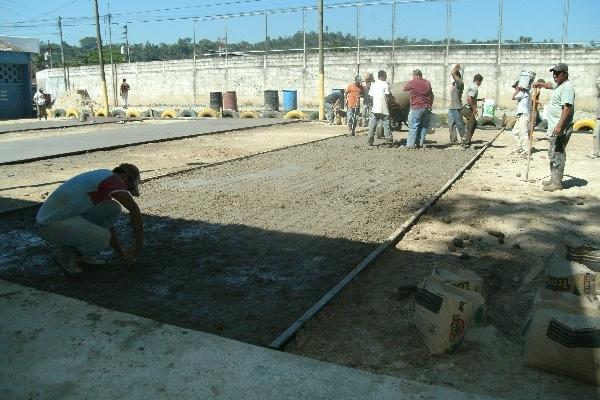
point(19, 44)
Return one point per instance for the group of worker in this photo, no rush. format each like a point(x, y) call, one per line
point(78, 217)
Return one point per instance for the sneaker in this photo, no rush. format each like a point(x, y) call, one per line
point(552, 187)
point(65, 258)
point(91, 260)
point(466, 146)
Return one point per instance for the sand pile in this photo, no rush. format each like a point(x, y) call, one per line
point(75, 99)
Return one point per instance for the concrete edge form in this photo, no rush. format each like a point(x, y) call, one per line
point(84, 124)
point(161, 140)
point(57, 347)
point(289, 333)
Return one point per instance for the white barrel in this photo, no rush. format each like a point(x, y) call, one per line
point(489, 108)
point(526, 79)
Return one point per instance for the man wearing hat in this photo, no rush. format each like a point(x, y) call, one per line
point(560, 123)
point(78, 217)
point(354, 92)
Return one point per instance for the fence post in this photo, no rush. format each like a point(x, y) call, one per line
point(499, 49)
point(358, 39)
point(564, 34)
point(393, 40)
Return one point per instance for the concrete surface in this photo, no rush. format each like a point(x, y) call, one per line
point(14, 149)
point(36, 124)
point(55, 347)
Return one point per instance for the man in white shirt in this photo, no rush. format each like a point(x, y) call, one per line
point(380, 91)
point(521, 129)
point(40, 103)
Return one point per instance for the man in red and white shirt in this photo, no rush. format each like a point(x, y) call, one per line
point(78, 217)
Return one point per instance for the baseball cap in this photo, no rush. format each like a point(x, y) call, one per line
point(357, 78)
point(134, 174)
point(560, 67)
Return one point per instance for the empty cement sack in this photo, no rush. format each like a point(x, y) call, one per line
point(443, 313)
point(560, 339)
point(567, 276)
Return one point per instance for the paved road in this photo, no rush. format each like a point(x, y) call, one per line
point(34, 124)
point(35, 148)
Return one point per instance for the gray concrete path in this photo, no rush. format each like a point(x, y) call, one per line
point(119, 135)
point(35, 124)
point(54, 347)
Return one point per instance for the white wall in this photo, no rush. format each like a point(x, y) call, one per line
point(172, 82)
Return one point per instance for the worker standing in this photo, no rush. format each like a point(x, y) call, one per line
point(368, 100)
point(124, 90)
point(40, 102)
point(521, 129)
point(596, 137)
point(421, 101)
point(354, 92)
point(561, 110)
point(469, 111)
point(380, 92)
point(78, 217)
point(455, 119)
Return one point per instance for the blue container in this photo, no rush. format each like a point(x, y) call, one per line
point(290, 100)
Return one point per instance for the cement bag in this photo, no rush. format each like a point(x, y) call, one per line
point(563, 275)
point(564, 342)
point(443, 313)
point(462, 278)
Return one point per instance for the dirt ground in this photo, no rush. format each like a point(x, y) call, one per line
point(31, 182)
point(242, 249)
point(370, 324)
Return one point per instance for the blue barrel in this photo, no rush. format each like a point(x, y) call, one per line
point(290, 100)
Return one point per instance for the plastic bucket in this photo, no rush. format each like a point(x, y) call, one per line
point(216, 101)
point(290, 100)
point(526, 79)
point(489, 108)
point(271, 100)
point(230, 101)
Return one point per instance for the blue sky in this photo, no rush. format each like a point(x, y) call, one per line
point(540, 19)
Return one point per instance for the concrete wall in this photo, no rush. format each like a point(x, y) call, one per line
point(173, 82)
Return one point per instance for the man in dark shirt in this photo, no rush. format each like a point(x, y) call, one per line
point(421, 100)
point(455, 120)
point(333, 102)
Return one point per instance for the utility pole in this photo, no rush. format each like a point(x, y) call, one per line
point(112, 63)
point(194, 73)
point(101, 59)
point(62, 54)
point(321, 65)
point(126, 42)
point(565, 27)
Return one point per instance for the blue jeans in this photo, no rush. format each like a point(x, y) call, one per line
point(329, 113)
point(456, 123)
point(352, 119)
point(419, 123)
point(385, 121)
point(88, 233)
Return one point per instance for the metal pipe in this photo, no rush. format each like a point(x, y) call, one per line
point(112, 63)
point(304, 37)
point(565, 26)
point(194, 70)
point(226, 47)
point(266, 39)
point(321, 65)
point(358, 40)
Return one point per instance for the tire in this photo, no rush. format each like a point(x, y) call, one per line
point(248, 114)
point(207, 113)
point(295, 114)
point(132, 114)
point(230, 114)
point(188, 114)
point(117, 112)
point(72, 113)
point(146, 114)
point(584, 125)
point(100, 113)
point(313, 115)
point(59, 113)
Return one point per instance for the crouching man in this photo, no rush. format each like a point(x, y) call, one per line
point(78, 217)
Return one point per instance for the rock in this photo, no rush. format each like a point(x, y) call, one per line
point(44, 195)
point(517, 246)
point(486, 188)
point(446, 220)
point(463, 236)
point(518, 174)
point(579, 202)
point(501, 240)
point(464, 255)
point(497, 164)
point(458, 242)
point(496, 233)
point(452, 248)
point(11, 175)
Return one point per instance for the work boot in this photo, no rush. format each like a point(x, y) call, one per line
point(65, 258)
point(552, 187)
point(555, 182)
